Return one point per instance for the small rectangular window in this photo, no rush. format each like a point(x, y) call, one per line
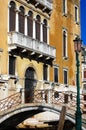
point(65, 77)
point(84, 86)
point(65, 43)
point(45, 71)
point(84, 73)
point(55, 74)
point(76, 14)
point(12, 65)
point(37, 30)
point(65, 7)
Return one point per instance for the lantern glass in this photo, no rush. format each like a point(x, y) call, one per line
point(77, 44)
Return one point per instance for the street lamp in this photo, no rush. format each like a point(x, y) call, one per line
point(77, 47)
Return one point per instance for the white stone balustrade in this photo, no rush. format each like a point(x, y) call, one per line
point(15, 38)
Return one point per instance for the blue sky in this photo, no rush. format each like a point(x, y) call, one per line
point(83, 20)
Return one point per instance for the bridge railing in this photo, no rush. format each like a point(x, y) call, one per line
point(9, 102)
point(59, 98)
point(48, 96)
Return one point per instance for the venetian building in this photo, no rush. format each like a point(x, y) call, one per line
point(26, 54)
point(84, 69)
point(65, 26)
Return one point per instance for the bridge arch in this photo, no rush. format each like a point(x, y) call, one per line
point(25, 111)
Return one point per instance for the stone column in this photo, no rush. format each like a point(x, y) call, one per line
point(48, 31)
point(41, 39)
point(25, 25)
point(34, 28)
point(17, 20)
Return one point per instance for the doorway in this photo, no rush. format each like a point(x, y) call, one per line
point(30, 84)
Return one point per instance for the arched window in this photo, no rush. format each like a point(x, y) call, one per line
point(65, 7)
point(12, 16)
point(45, 31)
point(21, 19)
point(30, 24)
point(38, 19)
point(64, 43)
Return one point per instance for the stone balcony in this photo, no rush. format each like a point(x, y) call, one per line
point(25, 46)
point(44, 5)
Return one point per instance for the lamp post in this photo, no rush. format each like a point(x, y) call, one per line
point(77, 47)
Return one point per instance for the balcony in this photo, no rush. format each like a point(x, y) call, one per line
point(83, 59)
point(27, 47)
point(44, 5)
point(83, 79)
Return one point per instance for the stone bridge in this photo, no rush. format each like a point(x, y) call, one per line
point(14, 107)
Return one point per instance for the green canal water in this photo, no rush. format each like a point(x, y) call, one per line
point(53, 126)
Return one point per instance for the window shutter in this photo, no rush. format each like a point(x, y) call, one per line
point(21, 23)
point(30, 26)
point(21, 20)
point(12, 19)
point(12, 65)
point(45, 67)
point(44, 33)
point(84, 74)
point(38, 30)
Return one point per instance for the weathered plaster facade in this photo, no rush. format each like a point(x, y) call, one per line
point(27, 53)
point(59, 22)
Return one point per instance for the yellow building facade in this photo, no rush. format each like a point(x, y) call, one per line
point(37, 48)
point(65, 26)
point(26, 54)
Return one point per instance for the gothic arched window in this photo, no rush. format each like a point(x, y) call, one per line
point(45, 31)
point(12, 16)
point(21, 19)
point(30, 24)
point(38, 19)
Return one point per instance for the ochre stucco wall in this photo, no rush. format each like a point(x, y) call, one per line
point(3, 35)
point(57, 22)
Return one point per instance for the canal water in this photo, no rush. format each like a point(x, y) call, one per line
point(54, 126)
point(11, 123)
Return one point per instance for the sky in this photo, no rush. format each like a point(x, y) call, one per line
point(83, 20)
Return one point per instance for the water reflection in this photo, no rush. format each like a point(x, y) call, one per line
point(52, 126)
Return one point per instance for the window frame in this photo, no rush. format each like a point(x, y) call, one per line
point(45, 72)
point(56, 74)
point(30, 24)
point(12, 16)
point(45, 35)
point(64, 7)
point(65, 82)
point(64, 44)
point(12, 65)
point(76, 14)
point(38, 27)
point(21, 16)
point(84, 74)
